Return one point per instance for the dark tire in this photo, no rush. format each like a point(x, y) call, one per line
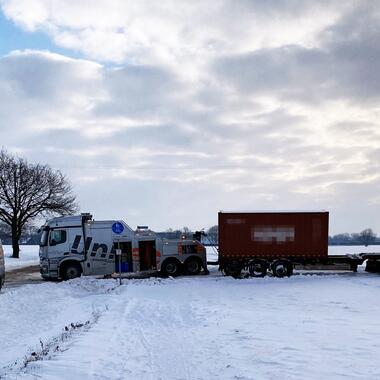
point(282, 268)
point(372, 266)
point(233, 268)
point(70, 271)
point(258, 268)
point(171, 268)
point(193, 266)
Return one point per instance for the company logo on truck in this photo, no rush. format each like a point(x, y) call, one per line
point(92, 251)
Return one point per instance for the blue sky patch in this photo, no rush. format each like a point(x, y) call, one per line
point(14, 38)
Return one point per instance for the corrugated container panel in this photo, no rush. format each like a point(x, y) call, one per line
point(273, 234)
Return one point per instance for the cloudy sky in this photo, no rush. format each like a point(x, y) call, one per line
point(164, 112)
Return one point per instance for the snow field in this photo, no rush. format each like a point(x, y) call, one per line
point(28, 256)
point(35, 313)
point(203, 327)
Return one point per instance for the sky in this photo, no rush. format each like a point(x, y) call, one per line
point(163, 113)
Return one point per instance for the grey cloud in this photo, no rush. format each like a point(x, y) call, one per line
point(168, 135)
point(286, 72)
point(37, 76)
point(345, 66)
point(138, 91)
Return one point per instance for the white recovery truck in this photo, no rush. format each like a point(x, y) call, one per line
point(75, 245)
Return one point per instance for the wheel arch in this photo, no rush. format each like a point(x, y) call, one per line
point(66, 262)
point(171, 258)
point(193, 257)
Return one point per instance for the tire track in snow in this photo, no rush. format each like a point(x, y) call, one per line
point(49, 349)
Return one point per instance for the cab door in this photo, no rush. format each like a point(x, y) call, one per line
point(58, 242)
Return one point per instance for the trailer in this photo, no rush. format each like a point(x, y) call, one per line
point(77, 245)
point(258, 242)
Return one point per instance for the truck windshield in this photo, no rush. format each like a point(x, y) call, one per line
point(44, 238)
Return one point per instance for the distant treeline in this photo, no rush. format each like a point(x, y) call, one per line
point(365, 237)
point(30, 235)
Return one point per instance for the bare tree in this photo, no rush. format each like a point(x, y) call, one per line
point(367, 236)
point(212, 235)
point(28, 191)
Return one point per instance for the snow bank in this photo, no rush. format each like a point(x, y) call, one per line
point(204, 327)
point(35, 314)
point(28, 256)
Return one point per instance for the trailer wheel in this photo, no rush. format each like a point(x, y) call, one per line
point(70, 271)
point(193, 265)
point(258, 268)
point(171, 267)
point(233, 268)
point(282, 268)
point(372, 266)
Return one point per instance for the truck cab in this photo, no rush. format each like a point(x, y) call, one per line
point(75, 245)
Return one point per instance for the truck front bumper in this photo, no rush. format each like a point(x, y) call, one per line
point(45, 270)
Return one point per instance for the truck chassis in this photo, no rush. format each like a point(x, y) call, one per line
point(256, 266)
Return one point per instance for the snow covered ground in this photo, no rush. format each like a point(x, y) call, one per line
point(344, 249)
point(203, 327)
point(28, 256)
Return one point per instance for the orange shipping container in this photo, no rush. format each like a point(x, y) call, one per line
point(273, 235)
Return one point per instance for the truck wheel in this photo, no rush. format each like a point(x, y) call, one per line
point(170, 268)
point(70, 271)
point(233, 268)
point(193, 266)
point(372, 266)
point(258, 268)
point(282, 268)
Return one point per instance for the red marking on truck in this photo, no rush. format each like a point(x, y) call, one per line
point(200, 249)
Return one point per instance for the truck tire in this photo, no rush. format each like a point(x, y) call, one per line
point(70, 271)
point(233, 268)
point(282, 268)
point(193, 266)
point(171, 267)
point(258, 268)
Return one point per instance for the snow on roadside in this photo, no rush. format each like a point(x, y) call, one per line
point(204, 327)
point(33, 314)
point(28, 256)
